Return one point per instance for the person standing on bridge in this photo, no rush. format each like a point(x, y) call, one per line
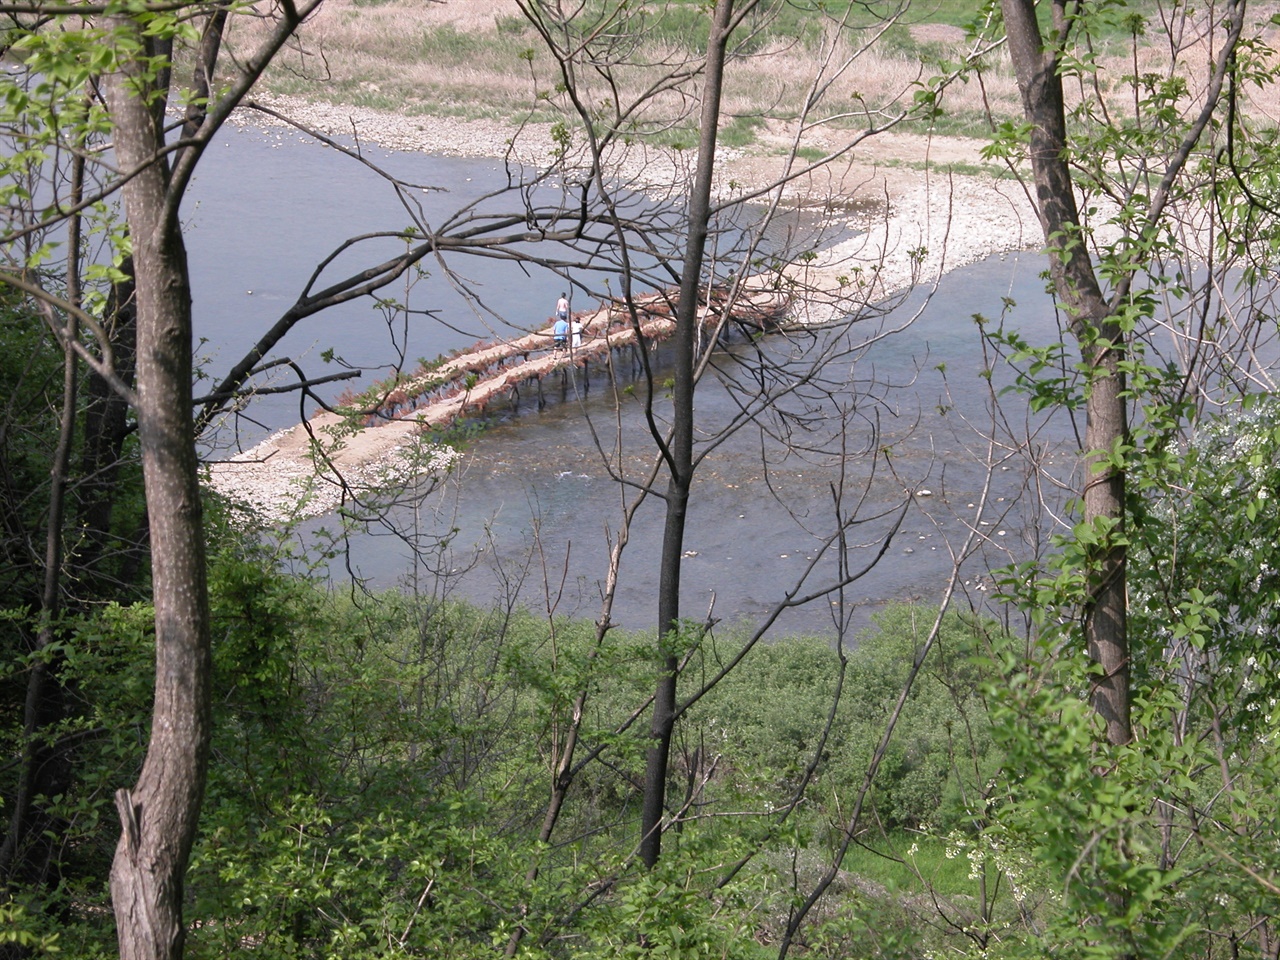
point(575, 327)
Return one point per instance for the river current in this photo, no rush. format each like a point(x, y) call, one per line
point(532, 506)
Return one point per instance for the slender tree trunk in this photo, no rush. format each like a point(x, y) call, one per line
point(159, 814)
point(1101, 343)
point(1106, 616)
point(680, 451)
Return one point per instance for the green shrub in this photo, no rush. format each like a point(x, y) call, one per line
point(769, 716)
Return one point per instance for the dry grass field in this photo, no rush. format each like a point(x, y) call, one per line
point(476, 58)
point(480, 59)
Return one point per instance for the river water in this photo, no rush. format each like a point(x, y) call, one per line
point(532, 507)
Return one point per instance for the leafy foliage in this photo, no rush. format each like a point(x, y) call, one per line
point(379, 770)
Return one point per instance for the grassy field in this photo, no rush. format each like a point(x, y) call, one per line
point(471, 59)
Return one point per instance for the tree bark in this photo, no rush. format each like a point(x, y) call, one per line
point(159, 813)
point(680, 450)
point(1101, 342)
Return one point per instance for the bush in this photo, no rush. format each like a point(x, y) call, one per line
point(769, 716)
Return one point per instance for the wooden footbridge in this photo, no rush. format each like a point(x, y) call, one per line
point(371, 428)
point(475, 379)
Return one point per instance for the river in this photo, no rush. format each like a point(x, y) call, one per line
point(532, 503)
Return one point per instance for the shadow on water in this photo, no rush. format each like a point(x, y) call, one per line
point(533, 508)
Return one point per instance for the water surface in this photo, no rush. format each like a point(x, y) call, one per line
point(532, 508)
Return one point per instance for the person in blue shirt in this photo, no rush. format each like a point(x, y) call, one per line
point(560, 332)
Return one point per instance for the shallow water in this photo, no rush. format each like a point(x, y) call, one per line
point(535, 494)
point(265, 209)
point(533, 502)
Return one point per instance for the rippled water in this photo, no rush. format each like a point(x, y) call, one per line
point(533, 502)
point(533, 490)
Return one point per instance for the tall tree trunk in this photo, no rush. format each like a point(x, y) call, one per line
point(159, 814)
point(680, 451)
point(1101, 342)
